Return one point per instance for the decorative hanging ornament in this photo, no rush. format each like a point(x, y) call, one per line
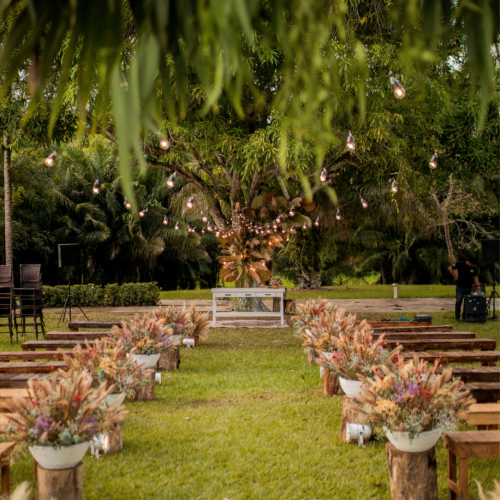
point(171, 180)
point(364, 203)
point(338, 216)
point(143, 212)
point(97, 187)
point(317, 222)
point(49, 161)
point(351, 143)
point(165, 220)
point(127, 204)
point(292, 211)
point(164, 143)
point(190, 203)
point(324, 175)
point(398, 89)
point(394, 186)
point(434, 163)
point(177, 226)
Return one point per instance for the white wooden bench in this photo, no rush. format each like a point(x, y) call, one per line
point(248, 293)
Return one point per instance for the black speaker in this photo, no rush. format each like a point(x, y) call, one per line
point(475, 308)
point(69, 255)
point(491, 251)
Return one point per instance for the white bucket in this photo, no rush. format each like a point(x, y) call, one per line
point(422, 442)
point(149, 360)
point(351, 388)
point(65, 457)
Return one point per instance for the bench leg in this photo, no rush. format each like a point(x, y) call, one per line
point(452, 475)
point(463, 478)
point(5, 480)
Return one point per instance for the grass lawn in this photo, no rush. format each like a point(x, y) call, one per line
point(340, 292)
point(245, 418)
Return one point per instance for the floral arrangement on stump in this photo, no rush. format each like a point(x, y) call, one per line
point(109, 363)
point(412, 398)
point(60, 413)
point(276, 282)
point(308, 317)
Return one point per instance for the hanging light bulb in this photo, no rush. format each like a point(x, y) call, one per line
point(324, 175)
point(351, 143)
point(433, 163)
point(97, 187)
point(217, 233)
point(190, 202)
point(317, 222)
point(127, 203)
point(304, 227)
point(176, 226)
point(142, 213)
point(275, 227)
point(278, 219)
point(204, 218)
point(189, 229)
point(394, 186)
point(398, 89)
point(364, 203)
point(203, 231)
point(209, 227)
point(165, 220)
point(49, 161)
point(284, 229)
point(338, 216)
point(292, 229)
point(171, 180)
point(193, 230)
point(292, 211)
point(164, 143)
point(268, 230)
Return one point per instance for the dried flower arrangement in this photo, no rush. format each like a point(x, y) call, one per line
point(355, 351)
point(104, 362)
point(60, 413)
point(411, 397)
point(146, 336)
point(308, 317)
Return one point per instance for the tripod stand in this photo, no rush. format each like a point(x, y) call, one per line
point(67, 304)
point(492, 299)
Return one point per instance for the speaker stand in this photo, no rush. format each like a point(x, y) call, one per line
point(492, 300)
point(67, 305)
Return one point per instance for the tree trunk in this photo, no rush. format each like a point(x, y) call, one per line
point(61, 484)
point(443, 208)
point(169, 361)
point(7, 198)
point(146, 393)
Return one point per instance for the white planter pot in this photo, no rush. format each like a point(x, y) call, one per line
point(351, 388)
point(115, 400)
point(358, 432)
point(65, 457)
point(423, 442)
point(150, 360)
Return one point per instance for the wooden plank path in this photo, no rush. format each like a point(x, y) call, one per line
point(443, 344)
point(421, 335)
point(445, 357)
point(31, 366)
point(81, 336)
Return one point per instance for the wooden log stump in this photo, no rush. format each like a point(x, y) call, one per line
point(146, 393)
point(115, 439)
point(169, 361)
point(413, 476)
point(289, 306)
point(348, 416)
point(62, 484)
point(330, 382)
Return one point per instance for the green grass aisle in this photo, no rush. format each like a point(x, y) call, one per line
point(245, 418)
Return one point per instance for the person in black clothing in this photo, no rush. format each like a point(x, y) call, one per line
point(467, 275)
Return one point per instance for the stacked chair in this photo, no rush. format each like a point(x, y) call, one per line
point(6, 298)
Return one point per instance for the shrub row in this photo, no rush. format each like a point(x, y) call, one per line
point(113, 295)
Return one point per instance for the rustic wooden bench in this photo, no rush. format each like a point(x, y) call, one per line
point(93, 325)
point(32, 345)
point(484, 393)
point(486, 358)
point(484, 415)
point(10, 393)
point(465, 445)
point(476, 373)
point(31, 366)
point(75, 335)
point(32, 355)
point(421, 335)
point(386, 324)
point(443, 344)
point(5, 451)
point(19, 380)
point(415, 329)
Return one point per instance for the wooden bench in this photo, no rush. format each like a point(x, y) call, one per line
point(475, 373)
point(5, 451)
point(442, 345)
point(31, 366)
point(465, 445)
point(10, 393)
point(386, 324)
point(92, 325)
point(19, 380)
point(484, 415)
point(421, 335)
point(81, 336)
point(414, 329)
point(484, 393)
point(486, 358)
point(32, 345)
point(32, 355)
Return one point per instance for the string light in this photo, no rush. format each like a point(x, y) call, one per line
point(284, 229)
point(292, 211)
point(203, 231)
point(394, 187)
point(171, 180)
point(177, 226)
point(304, 227)
point(275, 227)
point(127, 203)
point(165, 220)
point(49, 161)
point(324, 175)
point(217, 233)
point(204, 218)
point(189, 229)
point(278, 219)
point(292, 229)
point(97, 187)
point(433, 163)
point(317, 222)
point(164, 143)
point(364, 203)
point(398, 89)
point(338, 216)
point(190, 203)
point(209, 227)
point(351, 143)
point(142, 213)
point(268, 229)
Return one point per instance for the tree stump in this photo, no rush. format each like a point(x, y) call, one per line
point(348, 416)
point(413, 476)
point(146, 393)
point(330, 382)
point(115, 439)
point(169, 361)
point(289, 306)
point(62, 484)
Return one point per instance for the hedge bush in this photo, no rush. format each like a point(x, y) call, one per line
point(112, 295)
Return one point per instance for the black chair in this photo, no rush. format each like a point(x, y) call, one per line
point(28, 305)
point(6, 280)
point(6, 301)
point(30, 276)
